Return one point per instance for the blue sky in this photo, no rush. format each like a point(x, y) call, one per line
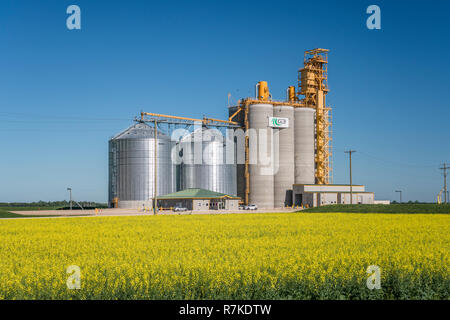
point(64, 93)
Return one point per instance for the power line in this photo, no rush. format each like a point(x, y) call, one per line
point(23, 117)
point(76, 121)
point(402, 164)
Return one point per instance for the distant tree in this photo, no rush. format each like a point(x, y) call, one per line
point(43, 204)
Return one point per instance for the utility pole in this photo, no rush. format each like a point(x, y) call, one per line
point(70, 191)
point(155, 161)
point(400, 194)
point(351, 186)
point(444, 169)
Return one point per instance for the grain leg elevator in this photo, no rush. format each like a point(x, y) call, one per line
point(303, 140)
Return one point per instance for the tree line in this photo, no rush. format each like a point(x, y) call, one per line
point(53, 204)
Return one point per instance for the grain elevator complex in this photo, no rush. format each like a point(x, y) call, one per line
point(269, 153)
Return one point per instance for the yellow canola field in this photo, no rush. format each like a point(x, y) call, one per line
point(236, 256)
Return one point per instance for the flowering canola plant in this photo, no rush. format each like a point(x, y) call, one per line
point(232, 256)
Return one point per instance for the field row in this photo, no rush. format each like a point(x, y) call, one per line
point(239, 256)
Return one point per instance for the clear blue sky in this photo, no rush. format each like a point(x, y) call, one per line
point(64, 93)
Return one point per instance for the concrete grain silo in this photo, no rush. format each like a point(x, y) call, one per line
point(284, 177)
point(281, 147)
point(304, 145)
point(260, 167)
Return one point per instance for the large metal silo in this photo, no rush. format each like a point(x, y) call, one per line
point(304, 145)
point(261, 162)
point(284, 177)
point(131, 166)
point(209, 170)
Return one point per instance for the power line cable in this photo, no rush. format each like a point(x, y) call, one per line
point(402, 164)
point(68, 117)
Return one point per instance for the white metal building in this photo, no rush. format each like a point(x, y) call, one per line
point(382, 202)
point(313, 195)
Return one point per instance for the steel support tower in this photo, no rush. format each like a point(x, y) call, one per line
point(312, 84)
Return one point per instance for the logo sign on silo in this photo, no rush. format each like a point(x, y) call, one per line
point(278, 122)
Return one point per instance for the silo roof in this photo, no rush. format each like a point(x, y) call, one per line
point(139, 130)
point(199, 135)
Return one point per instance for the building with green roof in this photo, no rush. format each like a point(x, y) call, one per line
point(199, 199)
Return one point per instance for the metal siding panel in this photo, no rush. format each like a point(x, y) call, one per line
point(212, 174)
point(134, 164)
